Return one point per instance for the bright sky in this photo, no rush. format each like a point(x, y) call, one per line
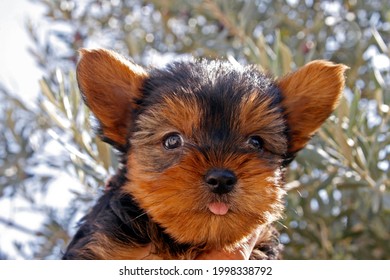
point(18, 71)
point(20, 75)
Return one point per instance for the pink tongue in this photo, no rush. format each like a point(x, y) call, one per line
point(218, 208)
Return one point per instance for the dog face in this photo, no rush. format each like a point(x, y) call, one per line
point(207, 150)
point(206, 142)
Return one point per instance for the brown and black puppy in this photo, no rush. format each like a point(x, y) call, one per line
point(204, 146)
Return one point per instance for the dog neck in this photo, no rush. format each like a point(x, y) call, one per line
point(117, 228)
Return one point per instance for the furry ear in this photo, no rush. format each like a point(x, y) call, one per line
point(110, 85)
point(309, 96)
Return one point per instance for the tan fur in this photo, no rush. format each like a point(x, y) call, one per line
point(170, 185)
point(178, 197)
point(104, 248)
point(310, 95)
point(111, 86)
point(262, 121)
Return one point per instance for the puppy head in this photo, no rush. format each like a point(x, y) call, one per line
point(208, 140)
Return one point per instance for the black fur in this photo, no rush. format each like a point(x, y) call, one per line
point(217, 87)
point(117, 215)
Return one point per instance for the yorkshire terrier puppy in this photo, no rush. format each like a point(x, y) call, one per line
point(204, 148)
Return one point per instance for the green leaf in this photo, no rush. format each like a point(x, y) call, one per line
point(353, 111)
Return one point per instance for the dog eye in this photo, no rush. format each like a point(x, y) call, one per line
point(255, 142)
point(173, 141)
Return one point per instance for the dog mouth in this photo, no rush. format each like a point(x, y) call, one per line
point(220, 205)
point(218, 208)
point(221, 184)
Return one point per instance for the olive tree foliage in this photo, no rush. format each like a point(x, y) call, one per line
point(338, 203)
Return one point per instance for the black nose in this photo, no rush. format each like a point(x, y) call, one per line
point(220, 181)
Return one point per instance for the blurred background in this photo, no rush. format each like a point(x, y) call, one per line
point(52, 168)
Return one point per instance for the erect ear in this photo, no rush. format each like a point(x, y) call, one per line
point(110, 85)
point(309, 96)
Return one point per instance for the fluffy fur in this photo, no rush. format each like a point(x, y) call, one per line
point(173, 127)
